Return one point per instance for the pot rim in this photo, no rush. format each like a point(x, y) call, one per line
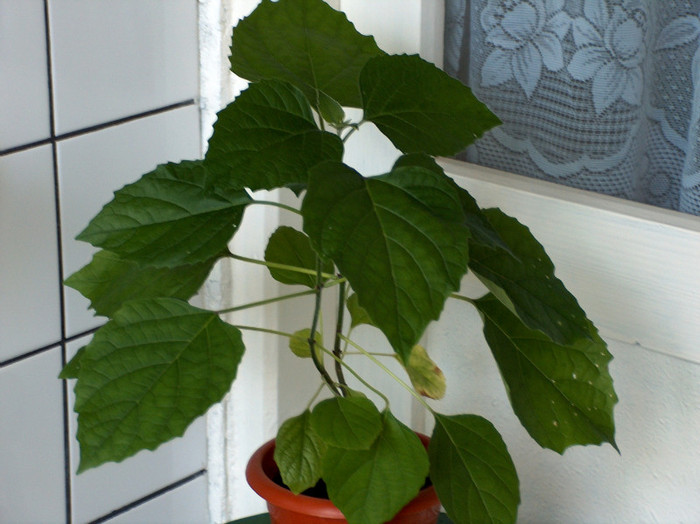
point(259, 480)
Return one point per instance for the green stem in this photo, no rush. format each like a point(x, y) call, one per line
point(354, 373)
point(277, 204)
point(265, 302)
point(390, 373)
point(337, 351)
point(463, 298)
point(264, 330)
point(314, 323)
point(275, 265)
point(313, 398)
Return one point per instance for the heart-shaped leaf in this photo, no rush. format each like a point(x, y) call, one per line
point(300, 346)
point(298, 453)
point(169, 218)
point(349, 423)
point(267, 138)
point(472, 471)
point(305, 43)
point(293, 248)
point(523, 279)
point(563, 395)
point(420, 108)
point(364, 484)
point(109, 280)
point(147, 374)
point(399, 239)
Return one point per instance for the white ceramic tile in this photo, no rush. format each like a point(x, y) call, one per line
point(134, 55)
point(184, 505)
point(93, 166)
point(29, 281)
point(32, 486)
point(24, 103)
point(100, 491)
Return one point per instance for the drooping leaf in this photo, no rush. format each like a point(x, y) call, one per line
point(420, 108)
point(472, 471)
point(306, 43)
point(293, 248)
point(358, 314)
point(299, 452)
point(109, 280)
point(147, 374)
point(524, 281)
point(365, 484)
point(563, 395)
point(350, 423)
point(427, 378)
point(299, 343)
point(169, 218)
point(397, 238)
point(267, 138)
point(330, 110)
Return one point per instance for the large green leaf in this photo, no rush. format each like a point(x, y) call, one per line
point(371, 486)
point(306, 43)
point(398, 238)
point(350, 423)
point(109, 280)
point(472, 471)
point(267, 138)
point(420, 107)
point(523, 279)
point(147, 374)
point(169, 218)
point(563, 395)
point(298, 453)
point(290, 247)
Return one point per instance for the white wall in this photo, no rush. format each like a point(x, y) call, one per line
point(93, 94)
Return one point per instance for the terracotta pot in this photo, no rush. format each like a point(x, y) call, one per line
point(287, 508)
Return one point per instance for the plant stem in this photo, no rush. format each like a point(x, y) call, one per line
point(277, 204)
point(463, 298)
point(318, 391)
point(264, 330)
point(265, 302)
point(337, 352)
point(354, 373)
point(312, 339)
point(390, 373)
point(275, 265)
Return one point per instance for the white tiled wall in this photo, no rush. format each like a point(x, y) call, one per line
point(92, 94)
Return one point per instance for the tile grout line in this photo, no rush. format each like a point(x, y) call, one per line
point(97, 127)
point(59, 250)
point(152, 496)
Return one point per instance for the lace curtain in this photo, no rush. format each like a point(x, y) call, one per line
point(601, 95)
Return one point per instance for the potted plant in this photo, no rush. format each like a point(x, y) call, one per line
point(388, 249)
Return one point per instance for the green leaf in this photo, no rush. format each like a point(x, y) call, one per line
point(267, 138)
point(293, 248)
point(420, 107)
point(299, 343)
point(350, 423)
point(306, 43)
point(169, 218)
point(72, 368)
point(109, 280)
point(523, 279)
point(358, 314)
point(147, 374)
point(427, 378)
point(365, 484)
point(472, 471)
point(563, 395)
point(298, 453)
point(330, 110)
point(397, 238)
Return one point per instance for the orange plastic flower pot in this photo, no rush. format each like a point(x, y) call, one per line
point(287, 508)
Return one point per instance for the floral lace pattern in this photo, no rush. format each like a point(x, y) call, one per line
point(598, 94)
